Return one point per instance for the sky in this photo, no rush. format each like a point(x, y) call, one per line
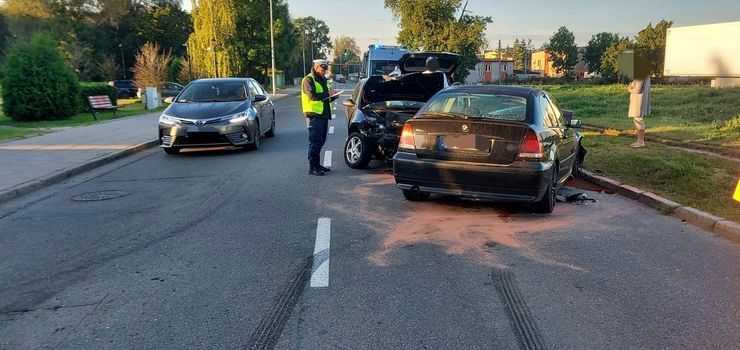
point(369, 22)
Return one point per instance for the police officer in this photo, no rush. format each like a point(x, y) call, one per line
point(316, 94)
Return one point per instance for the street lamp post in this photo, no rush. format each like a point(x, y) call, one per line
point(272, 50)
point(215, 68)
point(123, 62)
point(190, 63)
point(303, 44)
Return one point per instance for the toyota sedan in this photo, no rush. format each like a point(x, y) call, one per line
point(217, 112)
point(500, 143)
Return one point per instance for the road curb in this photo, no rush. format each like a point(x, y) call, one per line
point(717, 225)
point(57, 177)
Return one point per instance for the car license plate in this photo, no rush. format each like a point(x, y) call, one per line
point(469, 143)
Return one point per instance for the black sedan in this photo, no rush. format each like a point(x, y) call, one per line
point(381, 104)
point(217, 112)
point(500, 143)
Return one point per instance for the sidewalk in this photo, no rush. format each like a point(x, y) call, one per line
point(32, 163)
point(29, 164)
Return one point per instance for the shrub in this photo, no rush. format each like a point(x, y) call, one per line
point(38, 83)
point(150, 67)
point(96, 89)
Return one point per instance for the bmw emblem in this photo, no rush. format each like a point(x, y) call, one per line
point(465, 128)
point(199, 122)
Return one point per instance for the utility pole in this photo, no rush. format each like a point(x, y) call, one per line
point(190, 63)
point(272, 49)
point(123, 62)
point(303, 44)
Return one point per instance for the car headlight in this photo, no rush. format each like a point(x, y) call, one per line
point(237, 118)
point(168, 120)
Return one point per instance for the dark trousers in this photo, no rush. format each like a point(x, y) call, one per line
point(317, 130)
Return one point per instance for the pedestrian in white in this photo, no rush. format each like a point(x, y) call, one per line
point(639, 90)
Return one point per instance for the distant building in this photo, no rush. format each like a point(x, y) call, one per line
point(542, 63)
point(490, 70)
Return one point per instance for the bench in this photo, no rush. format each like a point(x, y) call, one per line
point(101, 103)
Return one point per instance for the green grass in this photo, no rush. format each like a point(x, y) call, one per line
point(10, 129)
point(696, 180)
point(689, 114)
point(13, 133)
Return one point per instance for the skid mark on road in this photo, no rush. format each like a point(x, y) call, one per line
point(321, 254)
point(525, 328)
point(272, 324)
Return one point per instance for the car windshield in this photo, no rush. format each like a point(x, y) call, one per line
point(382, 67)
point(214, 92)
point(477, 105)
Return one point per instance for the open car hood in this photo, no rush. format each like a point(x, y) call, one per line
point(417, 62)
point(419, 87)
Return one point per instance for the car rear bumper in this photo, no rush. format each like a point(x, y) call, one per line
point(205, 136)
point(517, 182)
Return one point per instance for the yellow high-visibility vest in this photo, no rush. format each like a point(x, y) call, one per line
point(309, 105)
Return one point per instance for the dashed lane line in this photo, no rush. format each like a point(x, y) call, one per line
point(327, 159)
point(320, 269)
point(331, 129)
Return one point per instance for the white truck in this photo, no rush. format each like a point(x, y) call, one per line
point(381, 59)
point(710, 50)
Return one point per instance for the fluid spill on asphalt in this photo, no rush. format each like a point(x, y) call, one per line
point(462, 228)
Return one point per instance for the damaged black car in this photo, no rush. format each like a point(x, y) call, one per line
point(380, 105)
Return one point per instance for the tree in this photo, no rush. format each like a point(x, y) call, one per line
point(563, 50)
point(346, 51)
point(313, 34)
point(213, 44)
point(608, 67)
point(38, 83)
point(109, 67)
point(166, 24)
point(596, 47)
point(520, 53)
point(431, 25)
point(151, 66)
point(650, 43)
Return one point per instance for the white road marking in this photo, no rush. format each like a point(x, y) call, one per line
point(327, 158)
point(333, 116)
point(320, 273)
point(331, 129)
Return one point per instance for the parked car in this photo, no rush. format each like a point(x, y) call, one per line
point(380, 104)
point(126, 88)
point(339, 78)
point(217, 112)
point(501, 143)
point(168, 89)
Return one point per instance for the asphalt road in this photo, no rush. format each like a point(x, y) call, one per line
point(215, 250)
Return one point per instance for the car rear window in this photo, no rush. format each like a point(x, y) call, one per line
point(214, 92)
point(479, 105)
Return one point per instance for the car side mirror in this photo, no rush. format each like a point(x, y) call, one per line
point(568, 115)
point(169, 100)
point(575, 123)
point(260, 98)
point(348, 103)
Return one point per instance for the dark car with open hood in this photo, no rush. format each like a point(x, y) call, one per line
point(381, 104)
point(217, 112)
point(500, 143)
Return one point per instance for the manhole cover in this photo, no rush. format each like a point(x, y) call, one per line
point(99, 196)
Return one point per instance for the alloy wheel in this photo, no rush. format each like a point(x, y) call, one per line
point(354, 149)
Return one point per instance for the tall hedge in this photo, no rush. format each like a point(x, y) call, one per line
point(97, 89)
point(38, 83)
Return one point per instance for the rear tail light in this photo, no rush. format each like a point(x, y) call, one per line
point(407, 138)
point(531, 147)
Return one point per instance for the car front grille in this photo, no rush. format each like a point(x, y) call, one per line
point(167, 140)
point(237, 138)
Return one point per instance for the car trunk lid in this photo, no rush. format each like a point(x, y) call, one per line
point(468, 140)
